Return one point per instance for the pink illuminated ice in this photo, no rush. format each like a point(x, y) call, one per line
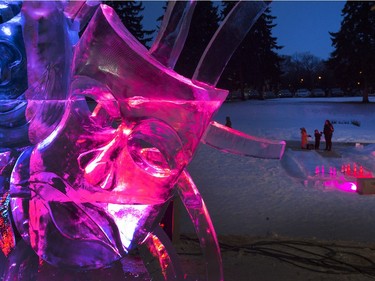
point(113, 127)
point(129, 151)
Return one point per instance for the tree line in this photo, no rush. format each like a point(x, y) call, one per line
point(256, 64)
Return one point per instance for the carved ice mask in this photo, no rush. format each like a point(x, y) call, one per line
point(100, 180)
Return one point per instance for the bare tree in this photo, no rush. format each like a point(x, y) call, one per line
point(302, 70)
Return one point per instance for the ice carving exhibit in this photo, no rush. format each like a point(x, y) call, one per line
point(83, 190)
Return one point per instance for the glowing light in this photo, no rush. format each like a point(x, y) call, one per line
point(48, 139)
point(162, 253)
point(126, 131)
point(127, 217)
point(341, 185)
point(7, 242)
point(6, 30)
point(96, 110)
point(100, 158)
point(348, 186)
point(136, 101)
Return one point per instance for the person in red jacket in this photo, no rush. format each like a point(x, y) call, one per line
point(304, 137)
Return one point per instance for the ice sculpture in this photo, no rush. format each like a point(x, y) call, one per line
point(88, 185)
point(13, 124)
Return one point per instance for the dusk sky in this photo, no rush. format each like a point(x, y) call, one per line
point(302, 26)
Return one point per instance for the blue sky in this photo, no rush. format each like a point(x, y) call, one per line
point(302, 26)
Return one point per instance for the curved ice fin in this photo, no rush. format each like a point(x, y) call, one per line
point(203, 226)
point(226, 39)
point(229, 140)
point(173, 32)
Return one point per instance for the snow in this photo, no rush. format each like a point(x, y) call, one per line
point(284, 198)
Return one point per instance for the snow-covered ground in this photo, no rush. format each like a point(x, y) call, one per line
point(271, 198)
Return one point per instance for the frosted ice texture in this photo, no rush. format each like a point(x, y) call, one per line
point(88, 182)
point(235, 142)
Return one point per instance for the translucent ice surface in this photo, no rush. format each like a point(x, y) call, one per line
point(96, 132)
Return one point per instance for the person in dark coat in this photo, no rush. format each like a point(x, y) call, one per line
point(228, 123)
point(328, 132)
point(317, 136)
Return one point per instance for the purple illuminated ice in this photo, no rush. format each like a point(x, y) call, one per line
point(105, 192)
point(95, 178)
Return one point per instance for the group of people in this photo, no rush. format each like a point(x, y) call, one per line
point(327, 132)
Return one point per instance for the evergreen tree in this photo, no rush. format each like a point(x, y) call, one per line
point(255, 63)
point(203, 26)
point(130, 13)
point(353, 60)
point(159, 20)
